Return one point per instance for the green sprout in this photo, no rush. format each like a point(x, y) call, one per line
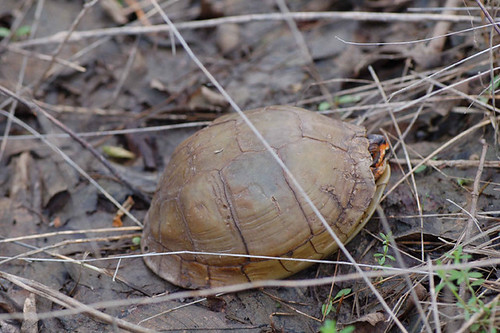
point(382, 257)
point(452, 279)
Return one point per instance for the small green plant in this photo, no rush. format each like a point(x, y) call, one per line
point(330, 326)
point(22, 31)
point(452, 279)
point(327, 308)
point(382, 257)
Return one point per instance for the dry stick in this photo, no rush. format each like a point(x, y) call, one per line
point(384, 220)
point(202, 24)
point(68, 302)
point(388, 271)
point(280, 162)
point(435, 311)
point(77, 20)
point(35, 109)
point(415, 41)
point(281, 301)
point(67, 232)
point(475, 193)
point(437, 151)
point(44, 57)
point(24, 64)
point(299, 38)
point(442, 28)
point(115, 132)
point(445, 69)
point(72, 164)
point(26, 255)
point(17, 22)
point(488, 16)
point(460, 93)
point(492, 95)
point(450, 163)
point(407, 156)
point(126, 71)
point(175, 308)
point(63, 258)
point(329, 299)
point(493, 304)
point(473, 208)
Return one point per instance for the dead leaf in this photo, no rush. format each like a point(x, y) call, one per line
point(114, 10)
point(228, 37)
point(30, 317)
point(56, 222)
point(117, 220)
point(370, 323)
point(206, 98)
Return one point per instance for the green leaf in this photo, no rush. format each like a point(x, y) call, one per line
point(330, 326)
point(475, 275)
point(475, 327)
point(348, 329)
point(23, 31)
point(324, 106)
point(326, 308)
point(118, 152)
point(343, 292)
point(420, 168)
point(439, 287)
point(4, 32)
point(136, 240)
point(347, 99)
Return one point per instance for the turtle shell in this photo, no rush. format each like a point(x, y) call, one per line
point(222, 192)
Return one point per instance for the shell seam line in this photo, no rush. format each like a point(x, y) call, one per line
point(186, 226)
point(232, 211)
point(300, 205)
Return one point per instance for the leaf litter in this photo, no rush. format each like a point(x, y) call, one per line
point(138, 81)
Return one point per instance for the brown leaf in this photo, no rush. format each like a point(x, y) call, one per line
point(370, 323)
point(30, 318)
point(117, 220)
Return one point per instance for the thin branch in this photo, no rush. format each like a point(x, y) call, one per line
point(240, 19)
point(36, 109)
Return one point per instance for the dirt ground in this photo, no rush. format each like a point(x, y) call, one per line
point(118, 80)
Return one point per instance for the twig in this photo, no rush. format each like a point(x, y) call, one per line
point(437, 151)
point(24, 64)
point(36, 109)
point(202, 24)
point(464, 328)
point(299, 38)
point(69, 302)
point(388, 271)
point(475, 191)
point(488, 16)
point(449, 163)
point(46, 57)
point(72, 164)
point(126, 70)
point(77, 20)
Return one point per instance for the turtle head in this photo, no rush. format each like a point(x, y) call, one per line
point(378, 148)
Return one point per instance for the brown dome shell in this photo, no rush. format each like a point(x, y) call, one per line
point(222, 192)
